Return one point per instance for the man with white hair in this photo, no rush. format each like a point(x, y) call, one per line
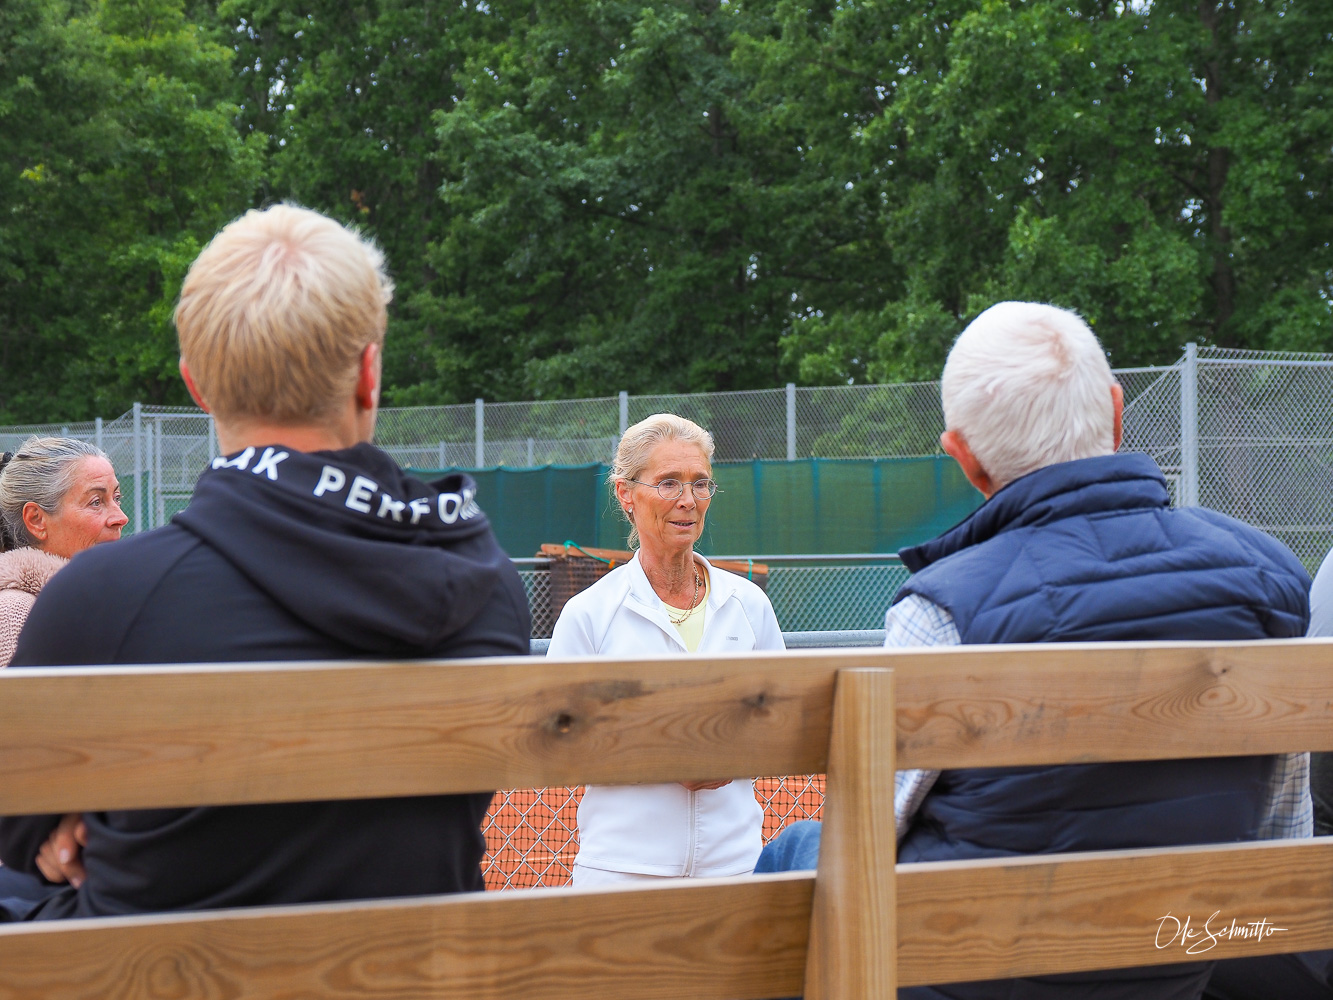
point(302, 542)
point(1078, 543)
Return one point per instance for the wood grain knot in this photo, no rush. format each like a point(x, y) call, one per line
point(562, 723)
point(757, 702)
point(167, 978)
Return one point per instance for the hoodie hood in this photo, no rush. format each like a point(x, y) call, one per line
point(407, 563)
point(28, 569)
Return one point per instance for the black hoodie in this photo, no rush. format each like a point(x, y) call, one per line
point(281, 555)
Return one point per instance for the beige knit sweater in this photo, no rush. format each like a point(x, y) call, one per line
point(23, 573)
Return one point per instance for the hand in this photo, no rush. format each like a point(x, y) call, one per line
point(61, 857)
point(701, 786)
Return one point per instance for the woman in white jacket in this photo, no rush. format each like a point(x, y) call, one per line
point(666, 600)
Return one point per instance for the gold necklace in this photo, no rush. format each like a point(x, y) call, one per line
point(693, 600)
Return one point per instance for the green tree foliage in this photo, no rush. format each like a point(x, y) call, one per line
point(626, 212)
point(701, 195)
point(344, 95)
point(117, 161)
point(1164, 169)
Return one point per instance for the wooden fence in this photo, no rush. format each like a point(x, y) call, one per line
point(146, 737)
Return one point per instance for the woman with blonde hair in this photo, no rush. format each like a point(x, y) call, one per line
point(667, 600)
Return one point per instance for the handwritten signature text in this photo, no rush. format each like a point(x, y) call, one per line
point(1196, 940)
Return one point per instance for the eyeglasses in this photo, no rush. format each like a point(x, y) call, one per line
point(672, 489)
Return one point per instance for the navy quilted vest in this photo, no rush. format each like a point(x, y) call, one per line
point(1091, 550)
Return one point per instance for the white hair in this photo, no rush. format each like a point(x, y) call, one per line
point(1028, 385)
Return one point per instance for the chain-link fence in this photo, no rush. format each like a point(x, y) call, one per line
point(532, 834)
point(157, 454)
point(559, 432)
point(809, 594)
point(1242, 432)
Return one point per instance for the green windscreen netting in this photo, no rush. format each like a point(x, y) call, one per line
point(817, 506)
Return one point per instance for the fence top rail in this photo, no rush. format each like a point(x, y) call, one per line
point(1225, 362)
point(161, 736)
point(1205, 356)
point(829, 639)
point(799, 557)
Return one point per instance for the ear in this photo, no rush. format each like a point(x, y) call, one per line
point(34, 519)
point(368, 378)
point(1118, 401)
point(624, 492)
point(189, 385)
point(956, 448)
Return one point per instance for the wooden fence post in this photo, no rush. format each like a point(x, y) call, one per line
point(853, 936)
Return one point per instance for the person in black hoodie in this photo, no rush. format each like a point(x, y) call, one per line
point(303, 542)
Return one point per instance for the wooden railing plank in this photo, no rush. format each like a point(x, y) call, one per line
point(1004, 917)
point(155, 736)
point(714, 939)
point(993, 706)
point(147, 737)
point(957, 921)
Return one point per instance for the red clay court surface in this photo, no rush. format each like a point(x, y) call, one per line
point(531, 834)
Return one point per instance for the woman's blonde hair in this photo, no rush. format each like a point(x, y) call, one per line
point(637, 444)
point(42, 471)
point(276, 311)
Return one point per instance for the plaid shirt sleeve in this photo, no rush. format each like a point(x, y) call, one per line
point(1289, 811)
point(915, 621)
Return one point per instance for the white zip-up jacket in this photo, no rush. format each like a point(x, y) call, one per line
point(665, 829)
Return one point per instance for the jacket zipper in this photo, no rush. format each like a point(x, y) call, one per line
point(691, 814)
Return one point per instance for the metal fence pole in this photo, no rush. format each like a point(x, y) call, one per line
point(624, 412)
point(97, 433)
point(159, 499)
point(213, 446)
point(1189, 428)
point(150, 472)
point(791, 421)
point(480, 459)
point(138, 467)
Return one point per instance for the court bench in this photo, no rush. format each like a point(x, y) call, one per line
point(151, 737)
